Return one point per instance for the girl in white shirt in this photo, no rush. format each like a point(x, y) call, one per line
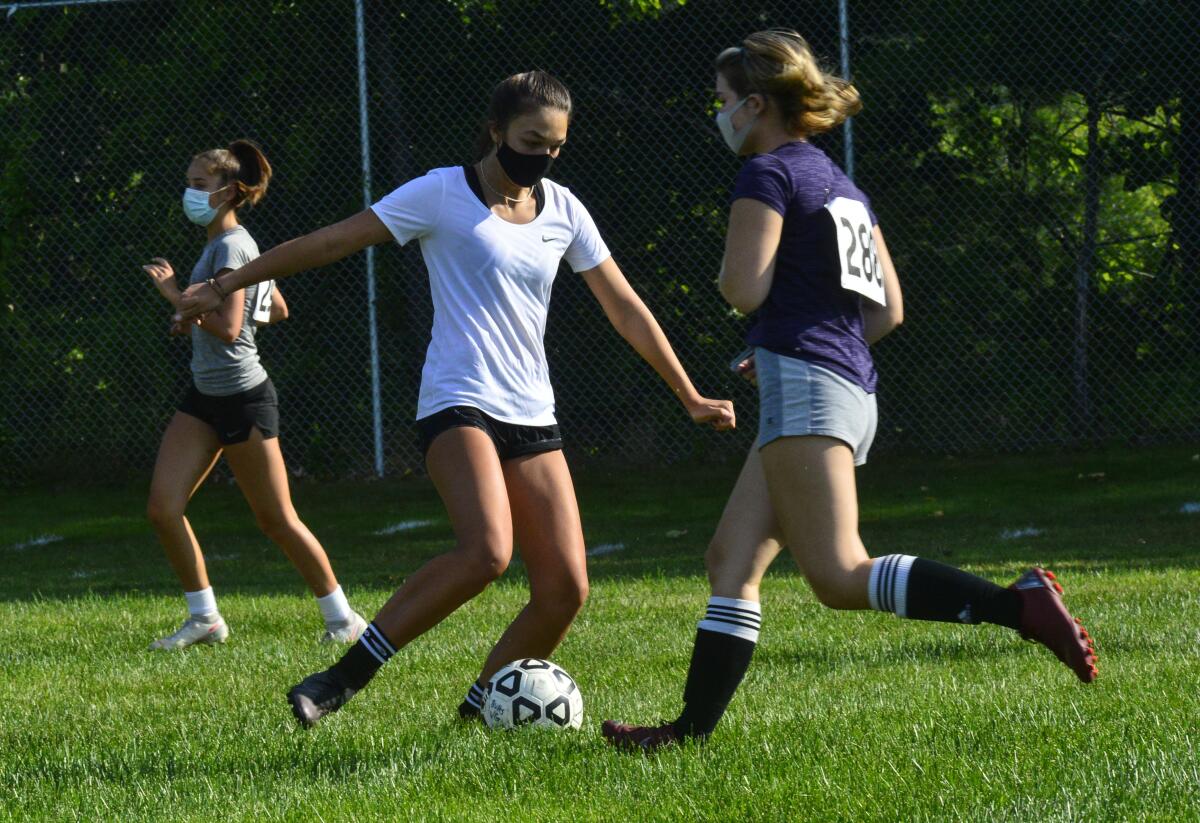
point(492, 235)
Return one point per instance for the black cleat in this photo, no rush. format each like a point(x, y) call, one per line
point(468, 712)
point(318, 695)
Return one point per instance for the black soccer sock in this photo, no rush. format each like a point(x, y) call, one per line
point(725, 641)
point(473, 703)
point(364, 658)
point(927, 590)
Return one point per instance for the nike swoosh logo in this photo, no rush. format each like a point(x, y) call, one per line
point(546, 239)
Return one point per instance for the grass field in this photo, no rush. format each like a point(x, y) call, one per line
point(842, 717)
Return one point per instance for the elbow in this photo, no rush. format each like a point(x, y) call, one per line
point(895, 318)
point(745, 303)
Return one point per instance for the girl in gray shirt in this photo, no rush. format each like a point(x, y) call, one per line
point(231, 407)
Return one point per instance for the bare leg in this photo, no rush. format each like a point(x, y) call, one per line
point(550, 537)
point(188, 451)
point(813, 492)
point(466, 471)
point(747, 538)
point(262, 476)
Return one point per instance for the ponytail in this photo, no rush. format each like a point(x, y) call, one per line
point(242, 165)
point(779, 64)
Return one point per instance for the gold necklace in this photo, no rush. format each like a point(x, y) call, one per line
point(507, 199)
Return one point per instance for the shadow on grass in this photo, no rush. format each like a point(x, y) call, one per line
point(1112, 510)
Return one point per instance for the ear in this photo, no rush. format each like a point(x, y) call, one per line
point(497, 135)
point(756, 102)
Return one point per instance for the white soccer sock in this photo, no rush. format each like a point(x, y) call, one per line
point(887, 589)
point(733, 616)
point(335, 608)
point(201, 603)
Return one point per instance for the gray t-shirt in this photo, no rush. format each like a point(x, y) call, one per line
point(220, 368)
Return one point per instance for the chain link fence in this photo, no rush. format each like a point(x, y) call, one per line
point(1035, 166)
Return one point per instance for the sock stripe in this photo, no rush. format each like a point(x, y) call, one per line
point(718, 613)
point(374, 641)
point(732, 616)
point(712, 618)
point(900, 593)
point(475, 696)
point(887, 589)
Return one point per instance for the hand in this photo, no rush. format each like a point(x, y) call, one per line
point(160, 272)
point(746, 370)
point(198, 299)
point(179, 328)
point(717, 413)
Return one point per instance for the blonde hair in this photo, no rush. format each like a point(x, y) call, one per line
point(243, 165)
point(778, 63)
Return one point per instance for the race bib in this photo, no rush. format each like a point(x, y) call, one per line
point(262, 302)
point(861, 271)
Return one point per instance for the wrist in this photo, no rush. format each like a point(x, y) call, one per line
point(215, 285)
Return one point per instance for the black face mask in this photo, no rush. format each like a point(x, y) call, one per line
point(523, 169)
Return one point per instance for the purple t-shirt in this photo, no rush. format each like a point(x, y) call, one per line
point(807, 313)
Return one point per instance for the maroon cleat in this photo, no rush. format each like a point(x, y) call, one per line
point(639, 738)
point(1045, 619)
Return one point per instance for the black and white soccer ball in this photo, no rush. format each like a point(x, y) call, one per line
point(532, 692)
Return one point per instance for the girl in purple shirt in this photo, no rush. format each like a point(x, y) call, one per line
point(804, 252)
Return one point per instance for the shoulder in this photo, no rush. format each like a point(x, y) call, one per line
point(235, 242)
point(564, 200)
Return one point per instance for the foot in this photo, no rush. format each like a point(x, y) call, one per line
point(209, 629)
point(1045, 619)
point(346, 632)
point(643, 738)
point(468, 712)
point(318, 695)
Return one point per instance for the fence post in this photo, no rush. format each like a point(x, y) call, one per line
point(844, 36)
point(365, 137)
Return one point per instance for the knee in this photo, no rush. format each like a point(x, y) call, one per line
point(837, 588)
point(277, 526)
point(562, 600)
point(487, 560)
point(162, 512)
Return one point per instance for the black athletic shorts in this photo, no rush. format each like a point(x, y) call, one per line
point(234, 416)
point(511, 439)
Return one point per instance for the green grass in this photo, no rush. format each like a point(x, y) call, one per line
point(842, 717)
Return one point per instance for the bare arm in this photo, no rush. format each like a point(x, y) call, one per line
point(751, 242)
point(879, 321)
point(225, 321)
point(319, 248)
point(634, 322)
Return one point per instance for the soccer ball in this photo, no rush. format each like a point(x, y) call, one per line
point(535, 693)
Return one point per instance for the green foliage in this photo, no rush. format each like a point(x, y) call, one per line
point(973, 146)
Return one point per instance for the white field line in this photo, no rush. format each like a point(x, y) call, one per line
point(403, 526)
point(605, 548)
point(1016, 534)
point(40, 540)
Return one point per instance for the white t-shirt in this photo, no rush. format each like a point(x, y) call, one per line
point(490, 281)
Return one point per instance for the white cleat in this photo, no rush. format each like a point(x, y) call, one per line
point(209, 629)
point(347, 633)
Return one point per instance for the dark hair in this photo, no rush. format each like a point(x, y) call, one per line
point(242, 164)
point(521, 94)
point(779, 64)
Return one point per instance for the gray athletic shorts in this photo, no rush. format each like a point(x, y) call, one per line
point(798, 398)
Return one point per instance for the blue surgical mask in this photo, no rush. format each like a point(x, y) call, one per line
point(195, 206)
point(734, 138)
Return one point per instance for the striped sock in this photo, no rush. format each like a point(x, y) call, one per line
point(473, 703)
point(725, 641)
point(927, 590)
point(728, 615)
point(888, 587)
point(360, 663)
